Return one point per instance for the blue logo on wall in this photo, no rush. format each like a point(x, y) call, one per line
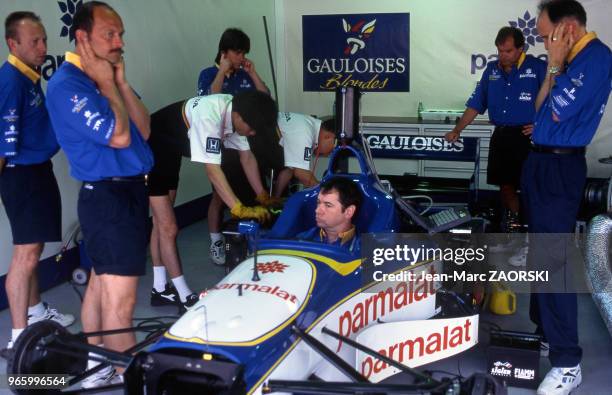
point(527, 25)
point(213, 145)
point(370, 51)
point(68, 8)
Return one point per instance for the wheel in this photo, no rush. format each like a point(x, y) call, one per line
point(80, 276)
point(31, 356)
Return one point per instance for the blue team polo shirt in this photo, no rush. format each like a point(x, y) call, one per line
point(509, 97)
point(84, 123)
point(27, 136)
point(579, 97)
point(236, 82)
point(348, 240)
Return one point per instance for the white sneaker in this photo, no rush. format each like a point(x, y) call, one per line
point(520, 258)
point(217, 252)
point(560, 381)
point(105, 376)
point(64, 320)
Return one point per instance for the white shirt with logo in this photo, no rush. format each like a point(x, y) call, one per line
point(300, 134)
point(210, 125)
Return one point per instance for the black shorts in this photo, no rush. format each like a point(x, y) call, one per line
point(113, 216)
point(508, 150)
point(169, 142)
point(32, 202)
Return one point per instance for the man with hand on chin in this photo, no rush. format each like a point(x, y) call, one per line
point(570, 106)
point(232, 71)
point(103, 126)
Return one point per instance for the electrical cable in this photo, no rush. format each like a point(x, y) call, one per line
point(431, 202)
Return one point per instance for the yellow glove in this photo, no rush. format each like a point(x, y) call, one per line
point(259, 213)
point(269, 201)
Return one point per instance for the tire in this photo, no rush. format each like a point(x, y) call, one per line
point(30, 355)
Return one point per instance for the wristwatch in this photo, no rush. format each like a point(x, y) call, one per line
point(554, 70)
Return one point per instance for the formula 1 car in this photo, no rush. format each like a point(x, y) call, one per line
point(294, 316)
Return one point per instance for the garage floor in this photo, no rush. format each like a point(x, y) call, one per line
point(193, 245)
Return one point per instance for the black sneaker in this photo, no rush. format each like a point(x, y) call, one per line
point(169, 296)
point(7, 353)
point(189, 301)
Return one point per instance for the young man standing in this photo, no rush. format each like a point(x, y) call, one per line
point(232, 72)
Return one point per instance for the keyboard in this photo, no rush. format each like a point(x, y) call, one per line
point(438, 222)
point(451, 216)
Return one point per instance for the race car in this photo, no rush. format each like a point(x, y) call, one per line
point(294, 316)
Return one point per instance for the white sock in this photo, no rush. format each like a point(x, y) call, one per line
point(36, 310)
point(181, 287)
point(159, 278)
point(15, 333)
point(214, 237)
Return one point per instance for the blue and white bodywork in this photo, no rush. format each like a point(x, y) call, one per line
point(305, 285)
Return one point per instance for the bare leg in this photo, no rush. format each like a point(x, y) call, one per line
point(119, 295)
point(91, 309)
point(509, 197)
point(34, 293)
point(166, 230)
point(18, 281)
point(215, 213)
point(154, 243)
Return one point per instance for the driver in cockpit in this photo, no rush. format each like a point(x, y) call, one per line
point(338, 202)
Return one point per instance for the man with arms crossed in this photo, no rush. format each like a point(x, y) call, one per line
point(28, 188)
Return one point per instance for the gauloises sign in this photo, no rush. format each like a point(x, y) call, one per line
point(370, 51)
point(435, 148)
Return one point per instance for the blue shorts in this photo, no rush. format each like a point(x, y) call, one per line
point(32, 202)
point(113, 216)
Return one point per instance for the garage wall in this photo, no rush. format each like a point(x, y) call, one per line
point(450, 42)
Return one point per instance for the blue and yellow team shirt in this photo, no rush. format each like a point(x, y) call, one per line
point(569, 117)
point(84, 123)
point(236, 82)
point(509, 97)
point(349, 240)
point(27, 136)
